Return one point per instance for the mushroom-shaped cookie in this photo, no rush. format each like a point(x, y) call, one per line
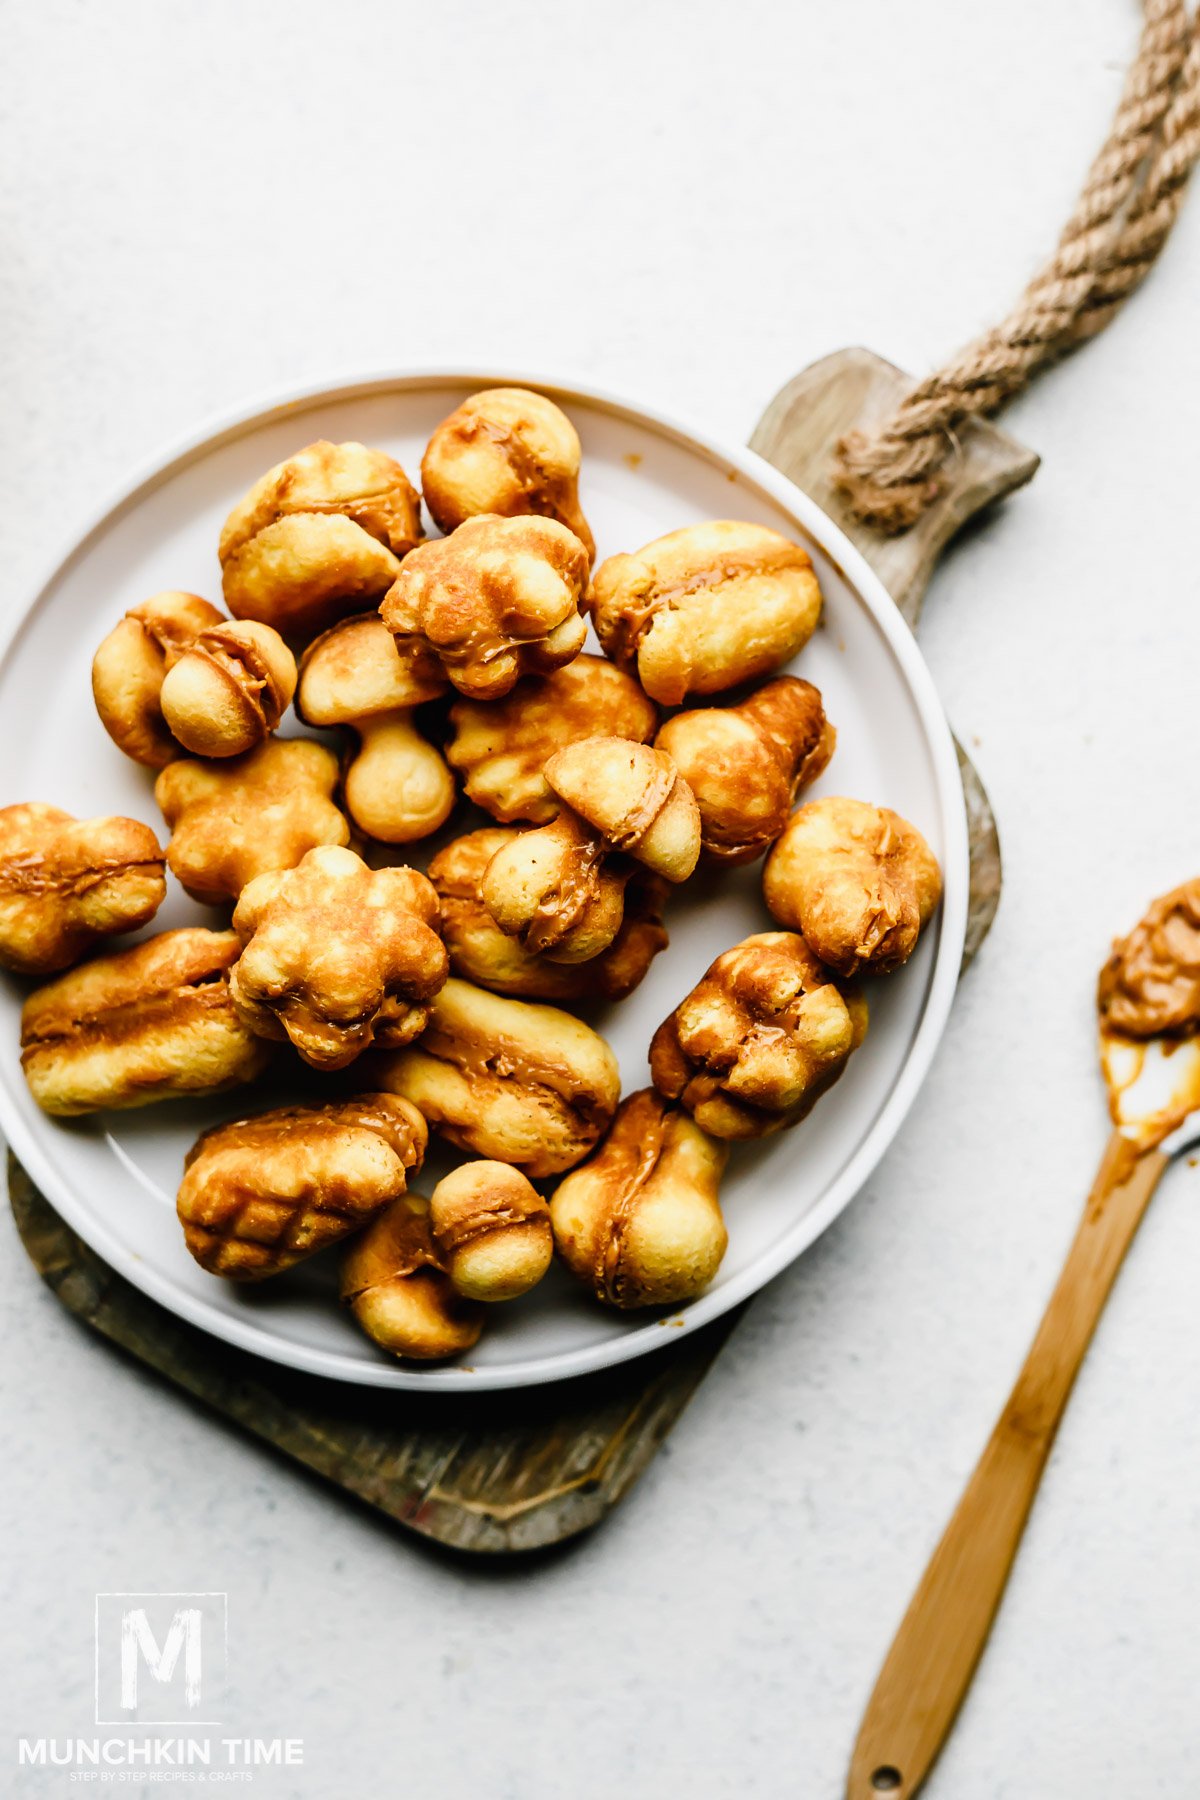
point(316, 536)
point(746, 764)
point(520, 1084)
point(481, 952)
point(492, 1230)
point(396, 1287)
point(67, 882)
point(150, 1023)
point(129, 668)
point(337, 956)
point(759, 1039)
point(705, 608)
point(559, 890)
point(396, 787)
point(229, 689)
point(497, 599)
point(857, 880)
point(501, 747)
point(641, 1223)
point(262, 1193)
point(506, 451)
point(237, 819)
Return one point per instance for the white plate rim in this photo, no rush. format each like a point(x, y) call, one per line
point(640, 1340)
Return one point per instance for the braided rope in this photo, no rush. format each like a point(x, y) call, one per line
point(1123, 216)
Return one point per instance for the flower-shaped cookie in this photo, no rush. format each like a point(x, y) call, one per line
point(497, 599)
point(66, 882)
point(337, 956)
point(129, 668)
point(481, 952)
point(152, 1023)
point(759, 1039)
point(316, 536)
point(260, 1194)
point(559, 889)
point(858, 881)
point(502, 747)
point(746, 764)
point(396, 786)
point(237, 819)
point(507, 451)
point(705, 608)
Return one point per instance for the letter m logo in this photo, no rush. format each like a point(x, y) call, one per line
point(160, 1658)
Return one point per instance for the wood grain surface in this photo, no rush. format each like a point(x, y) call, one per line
point(532, 1468)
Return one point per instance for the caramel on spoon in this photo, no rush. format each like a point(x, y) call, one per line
point(1149, 1006)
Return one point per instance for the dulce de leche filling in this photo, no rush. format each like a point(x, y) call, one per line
point(1150, 985)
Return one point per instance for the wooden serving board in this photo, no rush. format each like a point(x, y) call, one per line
point(526, 1469)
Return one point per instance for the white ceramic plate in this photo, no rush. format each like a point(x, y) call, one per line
point(114, 1177)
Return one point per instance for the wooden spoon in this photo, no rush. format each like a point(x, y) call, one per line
point(1154, 1088)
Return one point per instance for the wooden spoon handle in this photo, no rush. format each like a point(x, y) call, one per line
point(933, 1655)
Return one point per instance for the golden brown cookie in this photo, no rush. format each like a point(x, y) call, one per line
point(337, 956)
point(147, 1024)
point(641, 1222)
point(481, 952)
point(497, 599)
point(237, 819)
point(506, 451)
point(559, 889)
point(492, 1231)
point(858, 881)
point(229, 689)
point(261, 1193)
point(66, 882)
point(762, 1035)
point(746, 764)
point(129, 668)
point(395, 1285)
point(501, 747)
point(316, 536)
point(396, 786)
point(520, 1084)
point(706, 607)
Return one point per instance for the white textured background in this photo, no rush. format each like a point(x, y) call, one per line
point(686, 203)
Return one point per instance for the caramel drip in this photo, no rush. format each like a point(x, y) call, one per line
point(481, 1224)
point(243, 664)
point(637, 620)
point(562, 906)
point(30, 874)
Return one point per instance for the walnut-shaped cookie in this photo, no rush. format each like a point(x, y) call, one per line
point(481, 952)
point(762, 1035)
point(497, 599)
point(261, 1193)
point(559, 889)
point(746, 764)
point(641, 1222)
point(858, 881)
point(398, 1291)
point(515, 1083)
point(396, 787)
point(151, 1023)
point(129, 668)
point(233, 820)
point(337, 956)
point(492, 1230)
point(508, 451)
point(65, 883)
point(501, 747)
point(705, 608)
point(317, 536)
point(228, 689)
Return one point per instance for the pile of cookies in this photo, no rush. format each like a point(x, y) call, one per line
point(435, 1001)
